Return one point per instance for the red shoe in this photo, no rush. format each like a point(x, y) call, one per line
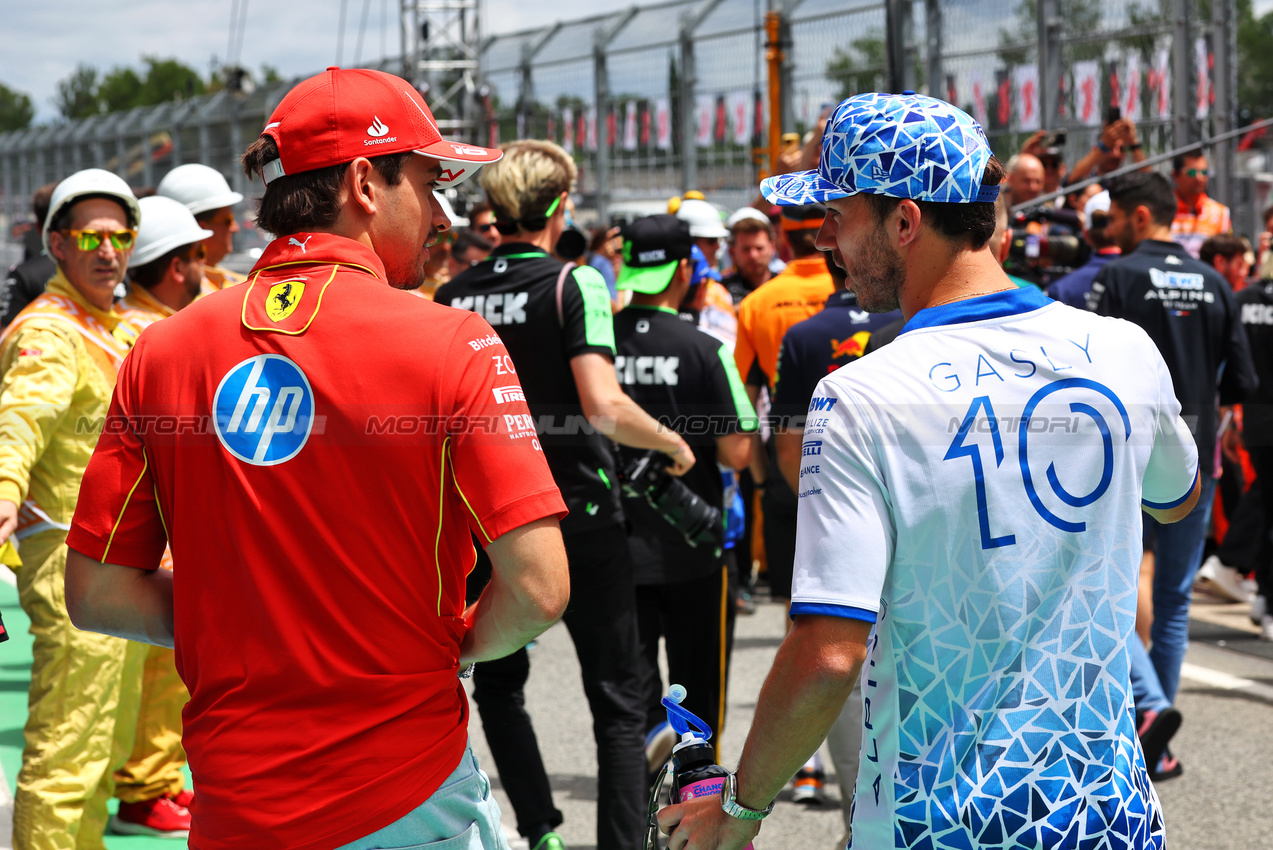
point(184, 799)
point(160, 817)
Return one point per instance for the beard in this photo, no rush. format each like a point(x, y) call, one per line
point(410, 274)
point(876, 275)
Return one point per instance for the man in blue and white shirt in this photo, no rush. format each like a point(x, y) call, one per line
point(969, 530)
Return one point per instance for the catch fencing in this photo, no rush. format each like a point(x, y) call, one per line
point(662, 98)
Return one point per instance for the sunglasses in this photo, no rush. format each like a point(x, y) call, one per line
point(652, 822)
point(91, 240)
point(482, 228)
point(1198, 172)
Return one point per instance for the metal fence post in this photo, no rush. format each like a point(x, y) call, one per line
point(933, 33)
point(601, 96)
point(526, 76)
point(689, 80)
point(899, 16)
point(1049, 62)
point(1223, 35)
point(1181, 72)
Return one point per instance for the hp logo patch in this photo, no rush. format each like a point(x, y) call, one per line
point(264, 410)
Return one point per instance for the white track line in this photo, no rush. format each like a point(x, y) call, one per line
point(1226, 681)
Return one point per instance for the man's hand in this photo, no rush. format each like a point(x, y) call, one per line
point(8, 519)
point(703, 825)
point(1034, 144)
point(682, 459)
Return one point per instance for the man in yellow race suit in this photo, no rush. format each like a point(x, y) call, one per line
point(58, 361)
point(165, 274)
point(205, 193)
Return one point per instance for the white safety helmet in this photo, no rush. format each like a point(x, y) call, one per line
point(199, 187)
point(1098, 203)
point(90, 181)
point(703, 219)
point(165, 224)
point(743, 213)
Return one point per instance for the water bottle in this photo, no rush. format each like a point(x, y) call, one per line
point(695, 772)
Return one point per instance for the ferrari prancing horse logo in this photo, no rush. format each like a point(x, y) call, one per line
point(283, 299)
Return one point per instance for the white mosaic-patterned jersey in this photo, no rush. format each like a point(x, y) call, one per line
point(975, 488)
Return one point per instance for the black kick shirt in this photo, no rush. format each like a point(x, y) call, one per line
point(1189, 311)
point(1255, 305)
point(515, 289)
point(687, 380)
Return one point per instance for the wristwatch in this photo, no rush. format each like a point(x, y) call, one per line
point(730, 805)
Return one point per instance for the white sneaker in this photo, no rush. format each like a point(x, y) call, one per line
point(1266, 627)
point(658, 747)
point(1259, 607)
point(1223, 581)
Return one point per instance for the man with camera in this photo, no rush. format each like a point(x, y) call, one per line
point(556, 322)
point(686, 379)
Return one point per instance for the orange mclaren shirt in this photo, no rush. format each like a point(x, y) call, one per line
point(318, 459)
point(1196, 223)
point(793, 295)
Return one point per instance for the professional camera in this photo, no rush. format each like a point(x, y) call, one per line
point(647, 476)
point(1039, 253)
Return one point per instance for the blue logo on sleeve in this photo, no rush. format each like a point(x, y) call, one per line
point(264, 410)
point(812, 447)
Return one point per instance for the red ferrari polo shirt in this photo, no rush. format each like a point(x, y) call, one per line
point(317, 447)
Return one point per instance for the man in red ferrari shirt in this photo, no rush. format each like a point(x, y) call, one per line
point(318, 446)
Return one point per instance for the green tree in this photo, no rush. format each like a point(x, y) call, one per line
point(119, 90)
point(168, 79)
point(16, 110)
point(1255, 61)
point(77, 94)
point(1078, 16)
point(270, 74)
point(860, 68)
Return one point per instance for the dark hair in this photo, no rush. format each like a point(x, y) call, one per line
point(41, 200)
point(478, 208)
point(972, 223)
point(1178, 161)
point(802, 242)
point(149, 275)
point(1145, 189)
point(63, 218)
point(1223, 245)
point(470, 239)
point(751, 225)
point(309, 200)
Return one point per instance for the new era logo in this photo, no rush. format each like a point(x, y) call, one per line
point(503, 395)
point(377, 128)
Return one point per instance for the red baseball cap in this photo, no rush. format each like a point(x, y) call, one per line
point(340, 115)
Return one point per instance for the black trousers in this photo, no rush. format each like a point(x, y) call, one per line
point(601, 619)
point(1262, 460)
point(693, 618)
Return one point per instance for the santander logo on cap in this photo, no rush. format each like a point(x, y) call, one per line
point(377, 128)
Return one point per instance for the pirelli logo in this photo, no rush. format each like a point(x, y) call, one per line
point(811, 448)
point(503, 395)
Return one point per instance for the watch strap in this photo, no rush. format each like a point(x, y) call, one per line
point(730, 805)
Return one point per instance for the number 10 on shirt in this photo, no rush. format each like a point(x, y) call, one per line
point(962, 447)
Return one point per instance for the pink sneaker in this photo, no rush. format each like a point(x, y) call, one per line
point(161, 817)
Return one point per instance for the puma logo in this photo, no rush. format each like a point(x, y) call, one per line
point(299, 244)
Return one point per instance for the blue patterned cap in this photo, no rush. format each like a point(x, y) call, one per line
point(901, 145)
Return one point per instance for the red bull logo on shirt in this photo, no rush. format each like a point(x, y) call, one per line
point(854, 346)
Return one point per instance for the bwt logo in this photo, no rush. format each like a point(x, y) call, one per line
point(823, 404)
point(813, 447)
point(503, 395)
point(264, 410)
